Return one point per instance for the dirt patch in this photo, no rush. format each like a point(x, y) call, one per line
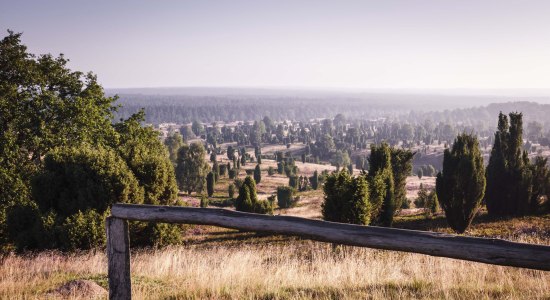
point(80, 289)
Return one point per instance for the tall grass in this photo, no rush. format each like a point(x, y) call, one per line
point(295, 270)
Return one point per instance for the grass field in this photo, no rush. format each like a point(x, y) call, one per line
point(217, 263)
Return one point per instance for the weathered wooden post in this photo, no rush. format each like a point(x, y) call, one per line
point(118, 256)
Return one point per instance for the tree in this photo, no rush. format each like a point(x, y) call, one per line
point(210, 182)
point(247, 200)
point(74, 192)
point(43, 105)
point(382, 184)
point(419, 173)
point(285, 196)
point(508, 175)
point(460, 186)
point(192, 168)
point(314, 180)
point(197, 128)
point(346, 199)
point(173, 142)
point(231, 190)
point(541, 184)
point(293, 181)
point(421, 197)
point(148, 159)
point(401, 163)
point(257, 174)
point(230, 153)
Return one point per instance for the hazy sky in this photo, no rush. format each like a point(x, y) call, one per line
point(349, 44)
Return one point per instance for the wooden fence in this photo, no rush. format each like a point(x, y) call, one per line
point(491, 251)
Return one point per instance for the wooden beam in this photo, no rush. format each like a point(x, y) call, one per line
point(118, 256)
point(491, 251)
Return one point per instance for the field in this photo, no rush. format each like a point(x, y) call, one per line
point(217, 263)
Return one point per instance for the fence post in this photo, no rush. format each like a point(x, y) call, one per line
point(118, 256)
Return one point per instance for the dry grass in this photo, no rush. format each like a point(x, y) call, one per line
point(291, 270)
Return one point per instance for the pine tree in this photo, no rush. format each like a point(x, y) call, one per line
point(460, 186)
point(257, 174)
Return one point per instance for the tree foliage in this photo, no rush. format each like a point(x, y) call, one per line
point(192, 168)
point(460, 185)
point(346, 199)
point(509, 176)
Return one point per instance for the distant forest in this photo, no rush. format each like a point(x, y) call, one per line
point(413, 109)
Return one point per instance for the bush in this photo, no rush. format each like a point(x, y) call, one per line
point(257, 174)
point(285, 196)
point(270, 171)
point(78, 179)
point(223, 169)
point(204, 201)
point(293, 182)
point(346, 199)
point(247, 200)
point(210, 183)
point(314, 180)
point(231, 190)
point(280, 167)
point(232, 174)
point(84, 230)
point(460, 185)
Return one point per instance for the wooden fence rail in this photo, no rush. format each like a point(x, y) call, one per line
point(491, 251)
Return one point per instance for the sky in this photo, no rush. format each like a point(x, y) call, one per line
point(390, 44)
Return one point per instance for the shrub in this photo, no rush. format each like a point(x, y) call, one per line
point(231, 190)
point(280, 167)
point(204, 201)
point(270, 171)
point(232, 174)
point(223, 169)
point(84, 230)
point(78, 179)
point(210, 183)
point(285, 196)
point(346, 199)
point(247, 200)
point(460, 185)
point(314, 180)
point(257, 174)
point(293, 181)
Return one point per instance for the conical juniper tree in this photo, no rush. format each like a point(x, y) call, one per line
point(346, 199)
point(508, 174)
point(460, 186)
point(382, 184)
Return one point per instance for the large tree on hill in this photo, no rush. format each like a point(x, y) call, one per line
point(460, 186)
point(508, 174)
point(192, 168)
